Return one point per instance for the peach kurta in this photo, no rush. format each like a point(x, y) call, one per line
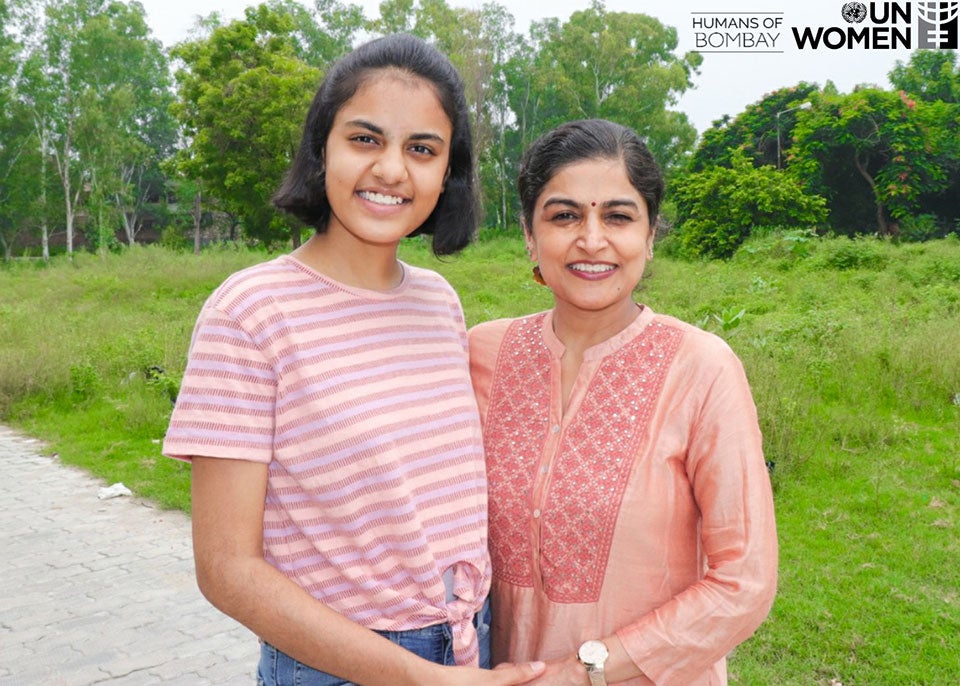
point(645, 510)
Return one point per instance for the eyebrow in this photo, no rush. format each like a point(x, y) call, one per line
point(373, 128)
point(567, 202)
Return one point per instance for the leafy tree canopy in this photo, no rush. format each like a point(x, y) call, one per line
point(755, 131)
point(611, 65)
point(929, 75)
point(879, 148)
point(243, 93)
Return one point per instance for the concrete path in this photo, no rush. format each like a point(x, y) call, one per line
point(101, 591)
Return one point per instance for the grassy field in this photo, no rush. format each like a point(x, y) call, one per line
point(852, 349)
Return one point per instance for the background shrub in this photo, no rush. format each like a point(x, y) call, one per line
point(718, 208)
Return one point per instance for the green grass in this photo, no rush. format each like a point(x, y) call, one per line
point(853, 352)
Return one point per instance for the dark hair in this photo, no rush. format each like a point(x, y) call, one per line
point(303, 191)
point(588, 139)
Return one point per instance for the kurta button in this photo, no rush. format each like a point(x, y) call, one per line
point(536, 514)
point(555, 429)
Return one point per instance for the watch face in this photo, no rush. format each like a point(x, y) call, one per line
point(593, 653)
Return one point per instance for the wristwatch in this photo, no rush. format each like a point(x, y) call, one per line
point(593, 655)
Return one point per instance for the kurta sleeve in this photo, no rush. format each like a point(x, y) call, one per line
point(725, 466)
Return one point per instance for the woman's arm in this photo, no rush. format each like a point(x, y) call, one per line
point(731, 486)
point(227, 511)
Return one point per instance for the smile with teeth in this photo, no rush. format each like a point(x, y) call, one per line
point(381, 199)
point(592, 268)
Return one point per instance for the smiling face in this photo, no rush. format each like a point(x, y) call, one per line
point(386, 159)
point(592, 238)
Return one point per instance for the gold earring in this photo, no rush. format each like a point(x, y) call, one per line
point(538, 277)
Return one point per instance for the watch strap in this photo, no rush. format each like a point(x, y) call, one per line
point(597, 677)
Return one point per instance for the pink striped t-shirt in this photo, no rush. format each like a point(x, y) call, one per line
point(362, 405)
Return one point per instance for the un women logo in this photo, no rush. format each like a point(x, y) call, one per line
point(854, 12)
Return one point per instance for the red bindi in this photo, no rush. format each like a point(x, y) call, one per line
point(593, 204)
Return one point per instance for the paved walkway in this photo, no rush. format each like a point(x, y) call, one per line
point(101, 591)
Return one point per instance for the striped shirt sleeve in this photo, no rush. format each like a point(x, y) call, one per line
point(225, 407)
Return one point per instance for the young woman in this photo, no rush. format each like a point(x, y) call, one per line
point(631, 517)
point(339, 492)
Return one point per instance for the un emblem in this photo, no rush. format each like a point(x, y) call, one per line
point(854, 12)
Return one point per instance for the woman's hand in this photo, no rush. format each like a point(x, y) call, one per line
point(506, 674)
point(568, 672)
point(571, 672)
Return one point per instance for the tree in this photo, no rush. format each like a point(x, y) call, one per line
point(718, 207)
point(18, 174)
point(612, 65)
point(243, 93)
point(14, 136)
point(125, 130)
point(876, 148)
point(929, 75)
point(48, 88)
point(93, 81)
point(496, 160)
point(754, 131)
point(479, 44)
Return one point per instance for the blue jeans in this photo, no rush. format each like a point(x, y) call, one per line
point(433, 643)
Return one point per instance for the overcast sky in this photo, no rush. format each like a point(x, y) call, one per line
point(728, 81)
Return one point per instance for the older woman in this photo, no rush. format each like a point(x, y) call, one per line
point(631, 516)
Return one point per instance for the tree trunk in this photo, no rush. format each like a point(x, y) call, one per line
point(883, 228)
point(197, 216)
point(129, 228)
point(63, 168)
point(44, 229)
point(131, 218)
point(45, 239)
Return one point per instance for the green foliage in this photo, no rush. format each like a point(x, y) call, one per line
point(845, 253)
point(786, 245)
point(922, 227)
point(601, 64)
point(16, 143)
point(84, 382)
point(728, 320)
point(930, 75)
point(762, 131)
point(878, 153)
point(717, 208)
point(877, 157)
point(172, 237)
point(95, 87)
point(243, 94)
